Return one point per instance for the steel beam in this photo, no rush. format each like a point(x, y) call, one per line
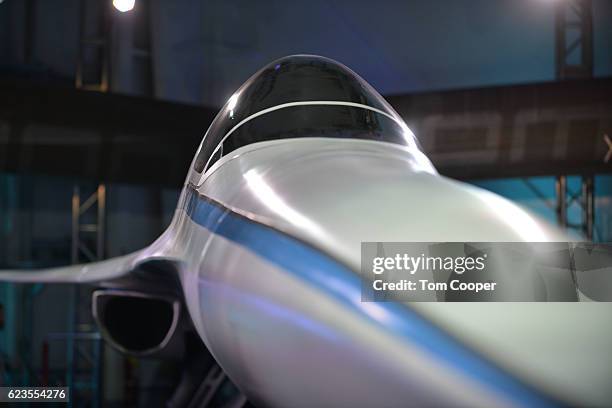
point(574, 39)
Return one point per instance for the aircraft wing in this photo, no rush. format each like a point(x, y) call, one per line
point(82, 273)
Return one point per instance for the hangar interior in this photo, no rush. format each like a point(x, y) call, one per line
point(101, 112)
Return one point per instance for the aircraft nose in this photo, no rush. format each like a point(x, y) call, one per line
point(335, 194)
point(338, 193)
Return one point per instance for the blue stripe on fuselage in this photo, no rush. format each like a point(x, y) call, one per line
point(329, 275)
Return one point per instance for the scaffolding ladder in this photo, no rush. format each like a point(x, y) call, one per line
point(84, 351)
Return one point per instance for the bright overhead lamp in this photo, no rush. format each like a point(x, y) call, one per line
point(124, 5)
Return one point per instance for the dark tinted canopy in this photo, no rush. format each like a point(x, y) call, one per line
point(301, 96)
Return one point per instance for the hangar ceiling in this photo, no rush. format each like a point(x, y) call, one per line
point(489, 96)
point(401, 47)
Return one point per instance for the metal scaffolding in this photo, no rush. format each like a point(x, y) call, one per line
point(585, 199)
point(84, 343)
point(93, 58)
point(564, 199)
point(114, 53)
point(574, 39)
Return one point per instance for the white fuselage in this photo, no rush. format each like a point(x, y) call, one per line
point(271, 236)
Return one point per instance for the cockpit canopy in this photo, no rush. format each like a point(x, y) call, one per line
point(301, 96)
